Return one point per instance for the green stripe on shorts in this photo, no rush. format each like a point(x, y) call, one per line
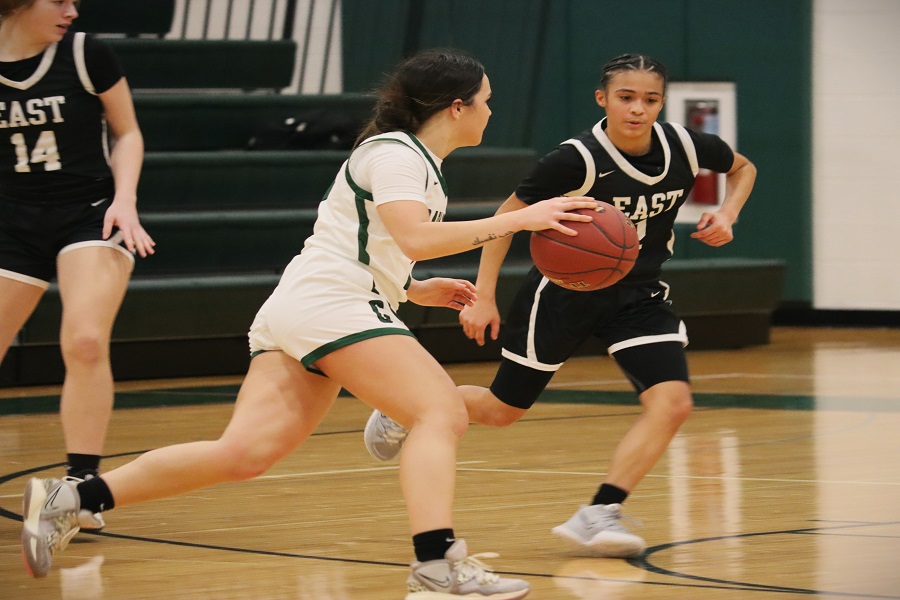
point(348, 340)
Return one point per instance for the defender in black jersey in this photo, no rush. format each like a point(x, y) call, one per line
point(646, 169)
point(70, 157)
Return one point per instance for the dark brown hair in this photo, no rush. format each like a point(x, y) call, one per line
point(633, 62)
point(7, 7)
point(421, 86)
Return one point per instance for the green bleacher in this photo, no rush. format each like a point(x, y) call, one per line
point(227, 220)
point(176, 122)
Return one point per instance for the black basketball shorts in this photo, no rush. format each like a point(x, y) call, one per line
point(546, 324)
point(33, 235)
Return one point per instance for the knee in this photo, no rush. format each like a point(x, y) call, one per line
point(680, 408)
point(459, 420)
point(451, 416)
point(85, 347)
point(676, 408)
point(486, 408)
point(242, 460)
point(671, 402)
point(503, 415)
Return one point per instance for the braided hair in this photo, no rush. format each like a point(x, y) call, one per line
point(633, 62)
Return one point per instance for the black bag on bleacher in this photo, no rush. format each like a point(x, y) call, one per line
point(314, 130)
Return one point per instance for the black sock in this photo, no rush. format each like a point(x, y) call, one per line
point(80, 465)
point(610, 494)
point(432, 545)
point(95, 495)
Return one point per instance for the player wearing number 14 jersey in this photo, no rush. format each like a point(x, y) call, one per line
point(70, 157)
point(53, 122)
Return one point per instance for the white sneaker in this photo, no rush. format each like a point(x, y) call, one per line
point(459, 575)
point(88, 522)
point(50, 520)
point(384, 436)
point(598, 531)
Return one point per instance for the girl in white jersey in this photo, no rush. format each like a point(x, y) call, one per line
point(332, 323)
point(70, 157)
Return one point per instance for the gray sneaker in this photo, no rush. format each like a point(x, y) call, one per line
point(50, 516)
point(598, 531)
point(384, 436)
point(458, 574)
point(88, 522)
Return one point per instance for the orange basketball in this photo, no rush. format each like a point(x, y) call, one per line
point(601, 254)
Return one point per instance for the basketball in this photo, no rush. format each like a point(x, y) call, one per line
point(601, 254)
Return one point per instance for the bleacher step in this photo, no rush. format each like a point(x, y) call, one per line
point(206, 64)
point(300, 178)
point(204, 121)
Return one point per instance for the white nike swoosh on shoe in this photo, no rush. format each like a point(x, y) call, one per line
point(655, 294)
point(601, 175)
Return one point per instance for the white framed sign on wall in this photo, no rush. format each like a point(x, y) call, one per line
point(709, 107)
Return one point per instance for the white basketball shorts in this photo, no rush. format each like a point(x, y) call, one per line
point(321, 304)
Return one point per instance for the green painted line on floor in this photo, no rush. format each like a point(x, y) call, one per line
point(226, 394)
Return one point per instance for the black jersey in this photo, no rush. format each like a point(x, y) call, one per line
point(53, 139)
point(649, 189)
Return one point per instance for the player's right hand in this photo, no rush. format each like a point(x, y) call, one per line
point(553, 212)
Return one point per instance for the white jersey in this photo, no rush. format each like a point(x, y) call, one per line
point(348, 225)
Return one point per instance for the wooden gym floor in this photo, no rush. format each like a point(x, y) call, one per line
point(785, 482)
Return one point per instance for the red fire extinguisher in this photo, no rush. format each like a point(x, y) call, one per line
point(704, 117)
point(706, 188)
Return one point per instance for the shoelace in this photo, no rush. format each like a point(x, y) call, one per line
point(394, 432)
point(65, 526)
point(472, 568)
point(77, 479)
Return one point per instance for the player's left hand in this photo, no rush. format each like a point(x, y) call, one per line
point(442, 291)
point(123, 214)
point(714, 229)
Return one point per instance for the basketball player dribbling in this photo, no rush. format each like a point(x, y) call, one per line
point(332, 323)
point(68, 205)
point(646, 169)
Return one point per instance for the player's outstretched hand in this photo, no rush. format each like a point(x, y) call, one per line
point(442, 291)
point(553, 212)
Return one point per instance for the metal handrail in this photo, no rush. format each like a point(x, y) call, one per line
point(312, 24)
point(197, 23)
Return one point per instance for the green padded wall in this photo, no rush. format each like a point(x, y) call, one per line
point(544, 58)
point(771, 41)
point(504, 34)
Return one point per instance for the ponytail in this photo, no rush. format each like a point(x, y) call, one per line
point(420, 87)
